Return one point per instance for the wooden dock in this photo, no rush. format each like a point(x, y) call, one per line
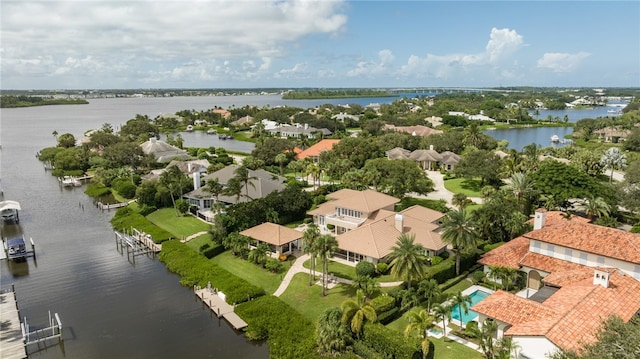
point(219, 307)
point(11, 340)
point(137, 243)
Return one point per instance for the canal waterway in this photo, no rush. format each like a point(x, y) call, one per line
point(109, 307)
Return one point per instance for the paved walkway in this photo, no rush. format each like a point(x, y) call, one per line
point(185, 240)
point(297, 267)
point(439, 190)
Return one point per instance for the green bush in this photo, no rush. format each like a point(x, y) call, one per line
point(383, 303)
point(444, 255)
point(365, 352)
point(196, 269)
point(635, 228)
point(389, 316)
point(478, 276)
point(365, 268)
point(290, 335)
point(490, 246)
point(273, 265)
point(146, 210)
point(96, 190)
point(443, 271)
point(436, 260)
point(382, 268)
point(388, 343)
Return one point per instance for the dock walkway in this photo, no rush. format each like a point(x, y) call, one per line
point(11, 340)
point(220, 307)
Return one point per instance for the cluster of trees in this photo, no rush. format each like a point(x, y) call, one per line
point(8, 101)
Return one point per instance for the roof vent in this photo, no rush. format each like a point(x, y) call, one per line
point(539, 218)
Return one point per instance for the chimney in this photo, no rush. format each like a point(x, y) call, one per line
point(601, 278)
point(399, 222)
point(196, 180)
point(539, 218)
point(431, 147)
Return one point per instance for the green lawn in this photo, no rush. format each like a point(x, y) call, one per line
point(199, 241)
point(180, 227)
point(250, 272)
point(459, 287)
point(471, 188)
point(444, 348)
point(308, 300)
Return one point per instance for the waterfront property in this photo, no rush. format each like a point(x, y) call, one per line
point(367, 227)
point(314, 151)
point(281, 240)
point(578, 274)
point(162, 151)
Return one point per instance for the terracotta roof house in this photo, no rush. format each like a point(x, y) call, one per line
point(222, 112)
point(367, 227)
point(281, 239)
point(417, 130)
point(263, 184)
point(589, 272)
point(314, 151)
point(162, 151)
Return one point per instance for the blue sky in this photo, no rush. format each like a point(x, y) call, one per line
point(81, 44)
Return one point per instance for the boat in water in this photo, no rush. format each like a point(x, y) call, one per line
point(70, 181)
point(16, 249)
point(555, 139)
point(211, 131)
point(9, 211)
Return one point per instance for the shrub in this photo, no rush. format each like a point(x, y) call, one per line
point(273, 265)
point(436, 260)
point(471, 328)
point(635, 228)
point(444, 255)
point(490, 246)
point(383, 303)
point(478, 276)
point(96, 190)
point(146, 210)
point(382, 268)
point(365, 269)
point(365, 352)
point(330, 226)
point(388, 343)
point(389, 316)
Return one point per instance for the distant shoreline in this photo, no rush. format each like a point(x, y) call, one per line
point(20, 104)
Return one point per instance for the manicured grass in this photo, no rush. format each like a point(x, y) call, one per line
point(308, 300)
point(199, 241)
point(439, 205)
point(250, 272)
point(471, 188)
point(459, 287)
point(180, 227)
point(339, 269)
point(444, 348)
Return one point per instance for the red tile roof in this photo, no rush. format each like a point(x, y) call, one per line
point(317, 149)
point(507, 255)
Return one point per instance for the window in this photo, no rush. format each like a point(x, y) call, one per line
point(536, 246)
point(600, 260)
point(550, 249)
point(583, 258)
point(568, 254)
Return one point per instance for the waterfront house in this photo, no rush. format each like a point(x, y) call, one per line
point(281, 240)
point(189, 168)
point(243, 121)
point(577, 274)
point(315, 150)
point(162, 151)
point(367, 227)
point(298, 130)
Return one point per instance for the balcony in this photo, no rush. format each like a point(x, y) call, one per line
point(344, 221)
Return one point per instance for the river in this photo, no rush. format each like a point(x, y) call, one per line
point(109, 307)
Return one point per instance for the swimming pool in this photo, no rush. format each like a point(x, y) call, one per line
point(476, 297)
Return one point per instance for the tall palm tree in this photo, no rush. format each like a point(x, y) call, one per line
point(309, 238)
point(442, 312)
point(420, 322)
point(172, 179)
point(430, 290)
point(459, 231)
point(314, 170)
point(613, 159)
point(280, 159)
point(260, 254)
point(356, 312)
point(596, 207)
point(460, 200)
point(472, 135)
point(215, 188)
point(464, 303)
point(326, 245)
point(242, 175)
point(366, 284)
point(522, 187)
point(408, 261)
point(487, 342)
point(233, 188)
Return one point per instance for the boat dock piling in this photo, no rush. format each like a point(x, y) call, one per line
point(137, 243)
point(16, 336)
point(214, 300)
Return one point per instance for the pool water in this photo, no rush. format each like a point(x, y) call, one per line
point(476, 297)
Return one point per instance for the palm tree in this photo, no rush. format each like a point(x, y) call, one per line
point(460, 200)
point(332, 336)
point(233, 188)
point(55, 134)
point(408, 261)
point(472, 135)
point(314, 170)
point(487, 342)
point(505, 274)
point(355, 313)
point(366, 284)
point(442, 312)
point(172, 180)
point(460, 232)
point(309, 238)
point(420, 322)
point(280, 159)
point(260, 254)
point(429, 289)
point(238, 244)
point(464, 303)
point(296, 167)
point(522, 187)
point(215, 188)
point(325, 247)
point(613, 159)
point(596, 207)
point(243, 176)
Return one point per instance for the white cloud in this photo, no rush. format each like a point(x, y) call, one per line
point(371, 68)
point(503, 44)
point(561, 62)
point(155, 38)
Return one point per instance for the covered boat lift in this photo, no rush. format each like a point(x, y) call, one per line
point(9, 211)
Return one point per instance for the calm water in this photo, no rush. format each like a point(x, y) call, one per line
point(109, 307)
point(476, 297)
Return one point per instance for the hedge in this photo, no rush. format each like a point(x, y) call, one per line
point(388, 343)
point(383, 303)
point(196, 269)
point(365, 352)
point(213, 251)
point(389, 316)
point(289, 334)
